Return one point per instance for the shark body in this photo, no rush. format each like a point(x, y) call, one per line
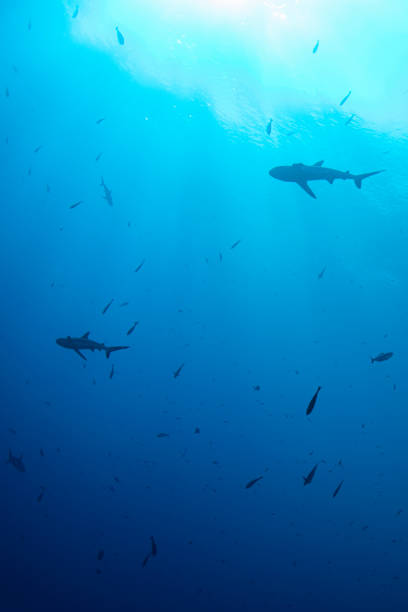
point(302, 174)
point(84, 343)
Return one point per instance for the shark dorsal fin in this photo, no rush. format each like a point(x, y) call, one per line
point(86, 335)
point(319, 163)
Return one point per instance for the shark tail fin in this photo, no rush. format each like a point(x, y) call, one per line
point(360, 177)
point(110, 349)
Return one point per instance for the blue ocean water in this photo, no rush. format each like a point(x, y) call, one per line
point(247, 295)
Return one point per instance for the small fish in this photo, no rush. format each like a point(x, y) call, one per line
point(338, 488)
point(119, 35)
point(76, 204)
point(154, 547)
point(123, 304)
point(308, 479)
point(75, 13)
point(145, 560)
point(252, 482)
point(107, 192)
point(29, 24)
point(269, 127)
point(98, 157)
point(41, 452)
point(100, 554)
point(12, 430)
point(315, 48)
point(140, 266)
point(131, 329)
point(235, 244)
point(350, 119)
point(112, 372)
point(177, 372)
point(312, 402)
point(162, 435)
point(382, 357)
point(256, 387)
point(48, 189)
point(345, 98)
point(38, 149)
point(116, 479)
point(41, 495)
point(99, 121)
point(197, 430)
point(220, 256)
point(16, 462)
point(7, 92)
point(321, 273)
point(108, 306)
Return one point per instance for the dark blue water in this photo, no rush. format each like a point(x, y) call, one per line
point(312, 291)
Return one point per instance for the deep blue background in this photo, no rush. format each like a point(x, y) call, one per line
point(185, 188)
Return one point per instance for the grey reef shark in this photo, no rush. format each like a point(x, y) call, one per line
point(302, 174)
point(84, 343)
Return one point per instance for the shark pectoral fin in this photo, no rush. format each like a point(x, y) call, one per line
point(330, 180)
point(306, 188)
point(80, 354)
point(319, 163)
point(86, 335)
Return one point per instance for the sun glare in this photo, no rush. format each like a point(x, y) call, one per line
point(247, 56)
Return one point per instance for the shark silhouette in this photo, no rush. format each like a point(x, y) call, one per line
point(83, 343)
point(302, 174)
